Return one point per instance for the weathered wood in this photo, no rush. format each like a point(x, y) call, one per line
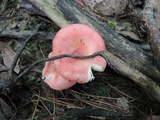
point(148, 16)
point(115, 43)
point(126, 58)
point(141, 79)
point(50, 11)
point(23, 34)
point(80, 113)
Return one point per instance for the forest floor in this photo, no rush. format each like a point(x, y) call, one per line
point(32, 99)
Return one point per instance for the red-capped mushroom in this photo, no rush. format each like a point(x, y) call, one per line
point(75, 39)
point(53, 79)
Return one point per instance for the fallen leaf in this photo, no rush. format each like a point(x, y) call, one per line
point(130, 35)
point(3, 75)
point(79, 3)
point(6, 108)
point(123, 102)
point(153, 117)
point(8, 56)
point(157, 15)
point(3, 5)
point(3, 68)
point(107, 7)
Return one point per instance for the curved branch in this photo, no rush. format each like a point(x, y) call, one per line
point(20, 52)
point(80, 113)
point(57, 57)
point(147, 15)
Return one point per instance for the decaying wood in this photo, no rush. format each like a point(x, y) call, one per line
point(126, 58)
point(148, 16)
point(80, 113)
point(50, 11)
point(23, 34)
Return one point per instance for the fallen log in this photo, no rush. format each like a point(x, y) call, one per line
point(148, 16)
point(122, 55)
point(23, 34)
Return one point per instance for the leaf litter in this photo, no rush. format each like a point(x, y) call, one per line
point(8, 56)
point(32, 101)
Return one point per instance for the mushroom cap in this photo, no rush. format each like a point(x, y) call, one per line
point(80, 40)
point(75, 39)
point(53, 79)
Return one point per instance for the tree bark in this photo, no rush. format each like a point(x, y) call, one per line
point(122, 55)
point(23, 34)
point(115, 43)
point(148, 16)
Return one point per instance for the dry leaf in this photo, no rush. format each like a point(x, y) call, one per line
point(107, 7)
point(6, 108)
point(153, 117)
point(3, 75)
point(130, 35)
point(3, 5)
point(8, 56)
point(3, 68)
point(157, 16)
point(123, 102)
point(79, 3)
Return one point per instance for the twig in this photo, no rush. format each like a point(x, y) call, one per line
point(8, 82)
point(35, 109)
point(79, 113)
point(21, 50)
point(24, 34)
point(101, 53)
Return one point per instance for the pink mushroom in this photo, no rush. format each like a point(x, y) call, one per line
point(76, 39)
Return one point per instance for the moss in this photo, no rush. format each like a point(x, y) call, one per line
point(112, 24)
point(99, 88)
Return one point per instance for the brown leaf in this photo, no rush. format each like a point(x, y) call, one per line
point(6, 108)
point(157, 15)
point(107, 7)
point(79, 3)
point(8, 56)
point(130, 35)
point(3, 5)
point(153, 117)
point(123, 102)
point(3, 68)
point(3, 75)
